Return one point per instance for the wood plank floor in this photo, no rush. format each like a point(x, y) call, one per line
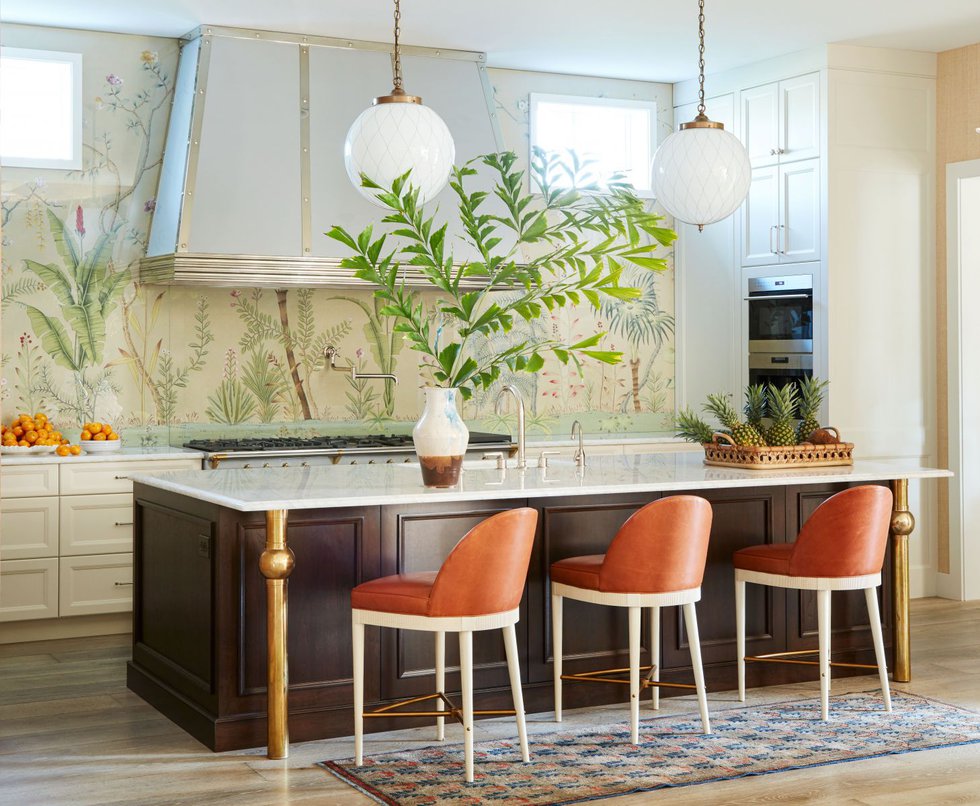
point(71, 733)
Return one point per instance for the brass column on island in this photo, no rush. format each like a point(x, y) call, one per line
point(276, 563)
point(902, 525)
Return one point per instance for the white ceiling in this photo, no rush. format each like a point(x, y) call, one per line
point(642, 39)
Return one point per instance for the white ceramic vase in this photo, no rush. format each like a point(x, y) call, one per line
point(440, 438)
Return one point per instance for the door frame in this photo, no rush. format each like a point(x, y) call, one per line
point(963, 580)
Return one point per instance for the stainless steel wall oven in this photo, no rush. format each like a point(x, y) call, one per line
point(780, 328)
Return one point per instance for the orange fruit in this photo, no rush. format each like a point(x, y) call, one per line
point(62, 450)
point(100, 437)
point(24, 444)
point(18, 431)
point(95, 428)
point(86, 434)
point(75, 449)
point(31, 436)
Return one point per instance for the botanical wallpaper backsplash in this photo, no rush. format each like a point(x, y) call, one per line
point(83, 340)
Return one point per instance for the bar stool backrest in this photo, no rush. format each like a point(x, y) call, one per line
point(486, 571)
point(845, 536)
point(661, 548)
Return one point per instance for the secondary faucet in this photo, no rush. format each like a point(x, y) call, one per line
point(580, 451)
point(521, 458)
point(331, 354)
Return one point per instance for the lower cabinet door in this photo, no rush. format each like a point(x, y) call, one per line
point(29, 527)
point(96, 524)
point(93, 584)
point(29, 589)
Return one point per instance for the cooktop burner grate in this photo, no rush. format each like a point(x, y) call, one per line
point(328, 443)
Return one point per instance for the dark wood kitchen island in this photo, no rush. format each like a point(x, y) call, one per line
point(213, 550)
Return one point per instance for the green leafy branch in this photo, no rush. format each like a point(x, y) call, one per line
point(580, 243)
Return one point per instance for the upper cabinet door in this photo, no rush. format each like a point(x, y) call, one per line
point(760, 124)
point(799, 229)
point(799, 110)
point(760, 218)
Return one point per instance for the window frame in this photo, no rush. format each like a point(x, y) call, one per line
point(650, 106)
point(62, 57)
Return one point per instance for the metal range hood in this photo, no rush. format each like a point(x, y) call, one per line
point(253, 169)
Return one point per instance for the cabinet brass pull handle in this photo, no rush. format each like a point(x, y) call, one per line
point(122, 584)
point(773, 249)
point(123, 523)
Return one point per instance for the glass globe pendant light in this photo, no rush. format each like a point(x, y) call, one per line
point(397, 134)
point(701, 174)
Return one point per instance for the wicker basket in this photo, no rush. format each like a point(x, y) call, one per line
point(723, 452)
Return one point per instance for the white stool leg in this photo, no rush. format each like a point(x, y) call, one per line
point(556, 650)
point(440, 683)
point(694, 641)
point(358, 641)
point(466, 675)
point(635, 674)
point(871, 596)
point(514, 668)
point(823, 633)
point(740, 634)
point(655, 652)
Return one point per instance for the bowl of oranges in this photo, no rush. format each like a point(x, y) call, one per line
point(100, 438)
point(32, 434)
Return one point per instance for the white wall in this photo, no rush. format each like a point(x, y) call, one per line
point(881, 269)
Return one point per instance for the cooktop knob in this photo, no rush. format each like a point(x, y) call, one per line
point(285, 464)
point(370, 461)
point(265, 465)
point(246, 466)
point(305, 464)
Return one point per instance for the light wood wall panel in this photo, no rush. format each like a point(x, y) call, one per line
point(957, 119)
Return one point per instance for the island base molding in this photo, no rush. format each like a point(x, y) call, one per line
point(200, 609)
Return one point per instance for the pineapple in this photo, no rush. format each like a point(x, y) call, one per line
point(811, 398)
point(755, 405)
point(742, 433)
point(693, 428)
point(782, 409)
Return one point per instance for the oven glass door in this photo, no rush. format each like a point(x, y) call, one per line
point(781, 323)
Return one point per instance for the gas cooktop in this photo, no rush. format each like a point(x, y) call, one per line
point(328, 444)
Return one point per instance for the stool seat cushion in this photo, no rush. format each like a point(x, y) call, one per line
point(768, 559)
point(399, 593)
point(580, 572)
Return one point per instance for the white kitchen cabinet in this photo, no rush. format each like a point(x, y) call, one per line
point(28, 481)
point(781, 121)
point(113, 477)
point(66, 537)
point(28, 589)
point(781, 214)
point(96, 524)
point(100, 583)
point(29, 528)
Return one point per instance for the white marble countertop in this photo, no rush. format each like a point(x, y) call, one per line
point(362, 485)
point(124, 454)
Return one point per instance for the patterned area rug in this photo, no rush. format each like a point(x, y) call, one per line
point(598, 762)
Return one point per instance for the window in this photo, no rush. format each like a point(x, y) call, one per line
point(40, 109)
point(615, 135)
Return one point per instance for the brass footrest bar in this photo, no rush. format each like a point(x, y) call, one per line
point(789, 657)
point(646, 682)
point(451, 710)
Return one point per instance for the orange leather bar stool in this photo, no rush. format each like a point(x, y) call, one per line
point(655, 560)
point(479, 587)
point(841, 547)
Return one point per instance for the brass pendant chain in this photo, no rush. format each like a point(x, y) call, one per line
point(700, 56)
point(397, 70)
